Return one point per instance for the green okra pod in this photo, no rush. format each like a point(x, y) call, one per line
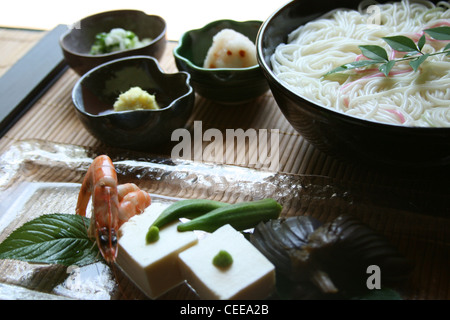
point(241, 216)
point(190, 209)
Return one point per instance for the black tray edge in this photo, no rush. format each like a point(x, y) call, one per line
point(30, 77)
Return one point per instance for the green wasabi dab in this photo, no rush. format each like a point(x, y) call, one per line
point(222, 259)
point(152, 234)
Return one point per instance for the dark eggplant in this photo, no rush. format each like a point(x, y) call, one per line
point(328, 260)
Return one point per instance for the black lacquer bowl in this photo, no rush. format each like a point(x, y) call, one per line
point(76, 43)
point(337, 134)
point(142, 130)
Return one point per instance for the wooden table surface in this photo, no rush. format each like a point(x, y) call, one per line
point(52, 118)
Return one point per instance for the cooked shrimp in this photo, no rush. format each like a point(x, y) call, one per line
point(112, 204)
point(132, 201)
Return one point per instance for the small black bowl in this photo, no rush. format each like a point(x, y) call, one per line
point(337, 134)
point(222, 85)
point(76, 43)
point(141, 130)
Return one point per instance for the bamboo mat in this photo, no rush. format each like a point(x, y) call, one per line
point(53, 118)
point(14, 44)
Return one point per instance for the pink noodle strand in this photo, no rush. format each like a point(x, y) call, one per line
point(398, 114)
point(374, 75)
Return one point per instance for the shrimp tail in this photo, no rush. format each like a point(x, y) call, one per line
point(132, 201)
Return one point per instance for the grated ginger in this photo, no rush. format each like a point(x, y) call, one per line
point(135, 99)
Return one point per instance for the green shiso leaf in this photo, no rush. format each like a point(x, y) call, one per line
point(52, 239)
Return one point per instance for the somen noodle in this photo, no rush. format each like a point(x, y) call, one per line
point(405, 97)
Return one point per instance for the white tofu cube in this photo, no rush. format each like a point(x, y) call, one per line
point(153, 267)
point(250, 276)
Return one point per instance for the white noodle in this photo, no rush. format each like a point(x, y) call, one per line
point(405, 97)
